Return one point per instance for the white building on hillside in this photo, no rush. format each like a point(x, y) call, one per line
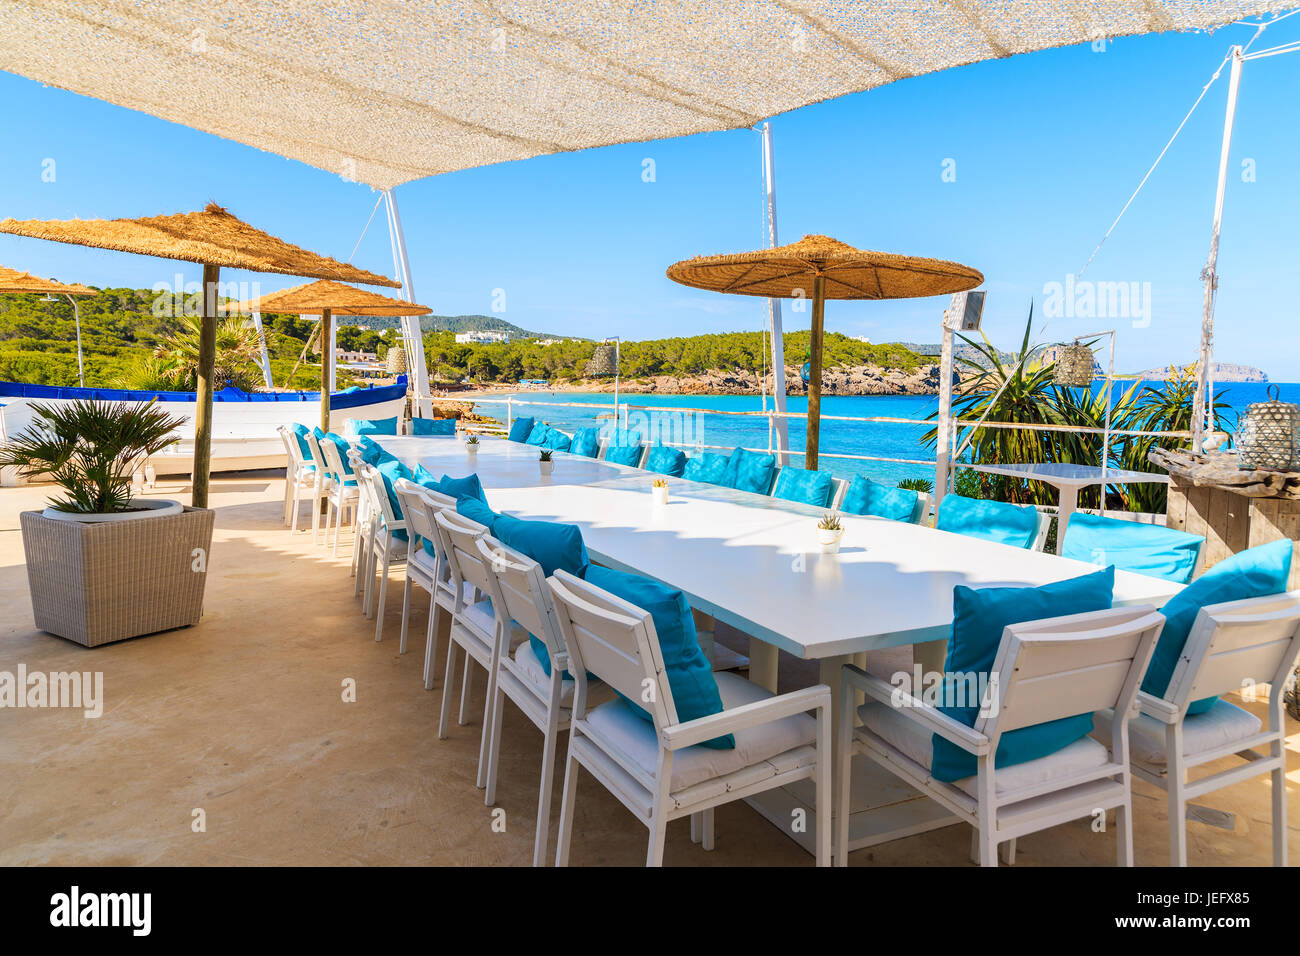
point(481, 337)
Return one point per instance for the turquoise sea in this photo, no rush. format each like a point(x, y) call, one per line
point(886, 440)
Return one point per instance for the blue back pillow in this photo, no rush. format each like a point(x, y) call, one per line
point(749, 471)
point(433, 426)
point(663, 460)
point(1257, 572)
point(475, 509)
point(371, 426)
point(537, 437)
point(979, 617)
point(866, 497)
point(391, 471)
point(706, 466)
point(556, 440)
point(343, 447)
point(1014, 525)
point(301, 432)
point(807, 487)
point(467, 487)
point(586, 442)
point(624, 448)
point(1148, 549)
point(695, 691)
point(373, 453)
point(521, 428)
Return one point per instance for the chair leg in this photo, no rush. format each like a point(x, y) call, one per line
point(491, 714)
point(1124, 833)
point(1278, 779)
point(447, 682)
point(383, 596)
point(406, 612)
point(315, 515)
point(297, 507)
point(707, 836)
point(844, 779)
point(1008, 850)
point(334, 553)
point(462, 717)
point(431, 641)
point(658, 837)
point(824, 789)
point(570, 793)
point(1177, 825)
point(494, 752)
point(288, 492)
point(988, 848)
point(697, 825)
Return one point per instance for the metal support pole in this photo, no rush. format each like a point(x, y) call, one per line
point(76, 317)
point(943, 442)
point(266, 358)
point(415, 363)
point(1203, 411)
point(774, 311)
point(326, 367)
point(1105, 440)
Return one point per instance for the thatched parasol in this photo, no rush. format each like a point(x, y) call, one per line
point(11, 280)
point(326, 299)
point(212, 238)
point(834, 271)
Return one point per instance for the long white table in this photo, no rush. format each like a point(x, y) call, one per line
point(753, 562)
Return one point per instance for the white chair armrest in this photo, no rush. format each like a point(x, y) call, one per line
point(747, 715)
point(938, 722)
point(1158, 708)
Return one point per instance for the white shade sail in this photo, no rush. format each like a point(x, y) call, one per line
point(384, 92)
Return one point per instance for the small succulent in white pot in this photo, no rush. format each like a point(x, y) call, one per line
point(544, 461)
point(829, 533)
point(471, 444)
point(659, 488)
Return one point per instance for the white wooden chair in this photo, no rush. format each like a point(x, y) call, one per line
point(656, 769)
point(1044, 670)
point(521, 599)
point(343, 495)
point(1232, 645)
point(474, 627)
point(419, 505)
point(384, 548)
point(323, 485)
point(298, 477)
point(363, 523)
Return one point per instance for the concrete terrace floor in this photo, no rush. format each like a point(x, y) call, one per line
point(243, 717)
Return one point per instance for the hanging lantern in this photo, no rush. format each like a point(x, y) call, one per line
point(397, 360)
point(1074, 366)
point(604, 362)
point(805, 373)
point(1269, 436)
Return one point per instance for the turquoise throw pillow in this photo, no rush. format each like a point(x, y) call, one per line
point(521, 428)
point(1014, 525)
point(1148, 549)
point(750, 471)
point(663, 460)
point(373, 453)
point(586, 442)
point(624, 448)
point(866, 497)
point(707, 466)
point(807, 487)
point(475, 509)
point(1257, 572)
point(371, 426)
point(979, 617)
point(695, 691)
point(344, 448)
point(556, 440)
point(301, 432)
point(390, 471)
point(467, 487)
point(537, 437)
point(433, 426)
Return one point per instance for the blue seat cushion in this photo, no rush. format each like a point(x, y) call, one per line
point(521, 428)
point(1142, 548)
point(624, 448)
point(371, 426)
point(1257, 572)
point(663, 460)
point(301, 432)
point(390, 471)
point(807, 487)
point(867, 497)
point(707, 466)
point(695, 691)
point(979, 617)
point(586, 442)
point(433, 426)
point(537, 437)
point(749, 471)
point(1014, 525)
point(343, 447)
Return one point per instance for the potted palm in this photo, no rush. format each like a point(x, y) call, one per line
point(103, 566)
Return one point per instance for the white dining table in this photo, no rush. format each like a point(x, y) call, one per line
point(753, 562)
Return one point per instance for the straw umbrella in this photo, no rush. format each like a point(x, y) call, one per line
point(327, 299)
point(211, 238)
point(11, 280)
point(834, 271)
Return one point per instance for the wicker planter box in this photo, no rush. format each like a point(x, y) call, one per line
point(99, 583)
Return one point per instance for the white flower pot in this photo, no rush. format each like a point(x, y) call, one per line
point(828, 540)
point(471, 449)
point(546, 466)
point(660, 493)
point(143, 508)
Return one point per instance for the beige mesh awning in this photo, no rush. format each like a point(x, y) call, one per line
point(385, 92)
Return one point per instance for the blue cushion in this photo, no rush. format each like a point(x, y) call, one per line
point(301, 432)
point(707, 466)
point(537, 437)
point(390, 471)
point(343, 447)
point(467, 487)
point(586, 442)
point(749, 471)
point(979, 617)
point(371, 426)
point(521, 428)
point(1148, 549)
point(624, 448)
point(1016, 525)
point(1257, 572)
point(475, 509)
point(695, 692)
point(433, 426)
point(556, 440)
point(663, 460)
point(866, 497)
point(809, 487)
point(373, 453)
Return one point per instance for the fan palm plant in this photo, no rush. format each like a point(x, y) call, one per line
point(239, 349)
point(90, 449)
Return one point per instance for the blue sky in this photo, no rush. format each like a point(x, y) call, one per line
point(1045, 148)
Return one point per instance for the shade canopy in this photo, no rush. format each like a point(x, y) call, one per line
point(314, 297)
point(384, 93)
point(787, 271)
point(11, 280)
point(211, 237)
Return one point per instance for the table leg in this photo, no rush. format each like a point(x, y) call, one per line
point(1068, 500)
point(762, 663)
point(831, 674)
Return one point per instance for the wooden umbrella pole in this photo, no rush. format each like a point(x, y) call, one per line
point(204, 387)
point(815, 375)
point(326, 357)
